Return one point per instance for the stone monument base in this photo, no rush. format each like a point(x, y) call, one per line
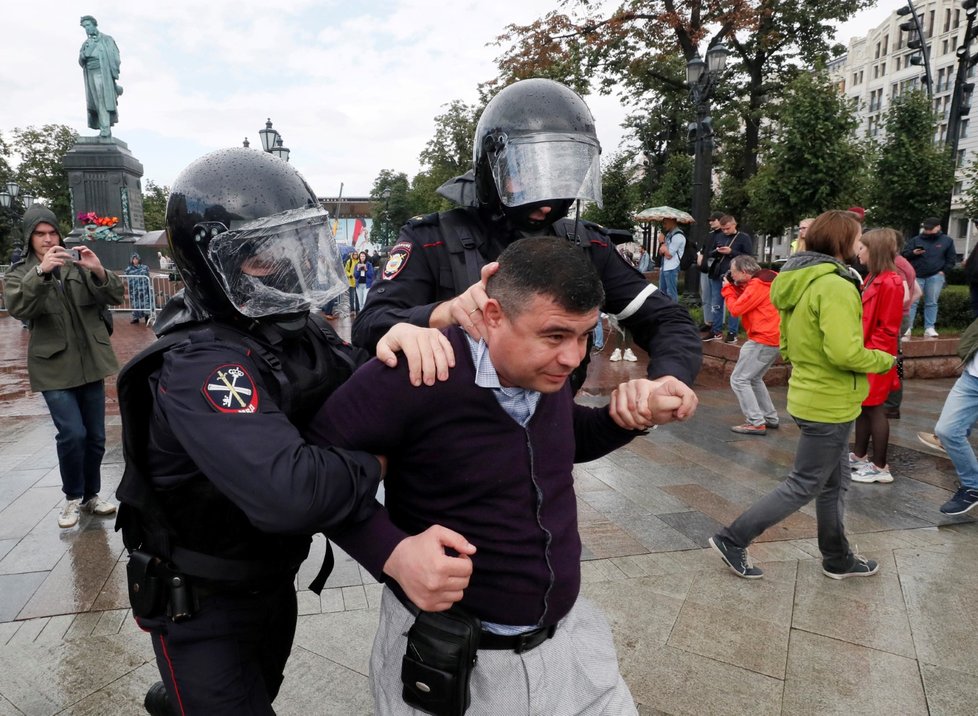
point(104, 177)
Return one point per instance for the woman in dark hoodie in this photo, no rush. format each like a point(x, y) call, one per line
point(69, 354)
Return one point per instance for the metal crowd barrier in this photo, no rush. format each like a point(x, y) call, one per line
point(3, 272)
point(160, 288)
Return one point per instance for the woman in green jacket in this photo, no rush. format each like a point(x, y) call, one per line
point(822, 338)
point(69, 354)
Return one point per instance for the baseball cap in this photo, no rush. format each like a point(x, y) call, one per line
point(930, 222)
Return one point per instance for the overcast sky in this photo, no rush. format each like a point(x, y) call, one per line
point(352, 86)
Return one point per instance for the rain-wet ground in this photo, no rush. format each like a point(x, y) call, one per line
point(692, 638)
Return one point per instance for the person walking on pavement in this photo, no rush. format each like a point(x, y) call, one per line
point(69, 355)
point(747, 291)
point(932, 255)
point(821, 336)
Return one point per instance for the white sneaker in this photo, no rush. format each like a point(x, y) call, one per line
point(629, 356)
point(616, 356)
point(69, 513)
point(871, 473)
point(97, 506)
point(908, 333)
point(930, 333)
point(931, 441)
point(857, 463)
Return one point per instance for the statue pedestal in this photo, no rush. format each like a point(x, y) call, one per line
point(103, 177)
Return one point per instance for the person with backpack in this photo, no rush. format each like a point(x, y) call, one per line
point(672, 249)
point(536, 153)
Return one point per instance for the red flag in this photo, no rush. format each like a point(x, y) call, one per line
point(359, 235)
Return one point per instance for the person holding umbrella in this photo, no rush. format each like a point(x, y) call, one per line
point(672, 246)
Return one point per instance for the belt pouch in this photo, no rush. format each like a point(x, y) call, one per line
point(441, 652)
point(145, 592)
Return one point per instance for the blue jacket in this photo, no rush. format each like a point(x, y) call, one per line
point(939, 254)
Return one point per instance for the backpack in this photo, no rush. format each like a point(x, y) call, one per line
point(689, 254)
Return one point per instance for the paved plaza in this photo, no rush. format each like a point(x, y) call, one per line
point(692, 638)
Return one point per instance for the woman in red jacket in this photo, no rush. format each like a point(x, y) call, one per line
point(883, 294)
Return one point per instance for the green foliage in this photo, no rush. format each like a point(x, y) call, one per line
point(812, 163)
point(953, 308)
point(41, 169)
point(154, 205)
point(913, 176)
point(970, 196)
point(676, 185)
point(618, 193)
point(447, 154)
point(392, 211)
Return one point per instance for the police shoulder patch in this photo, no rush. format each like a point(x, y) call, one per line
point(399, 255)
point(230, 389)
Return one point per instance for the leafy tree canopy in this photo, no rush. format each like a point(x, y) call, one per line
point(619, 194)
point(154, 205)
point(391, 208)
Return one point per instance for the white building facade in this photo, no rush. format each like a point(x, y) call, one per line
point(876, 70)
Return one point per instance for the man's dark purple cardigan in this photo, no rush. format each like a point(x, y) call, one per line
point(458, 460)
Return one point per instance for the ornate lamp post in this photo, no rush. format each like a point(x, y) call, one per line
point(961, 97)
point(11, 192)
point(701, 77)
point(271, 141)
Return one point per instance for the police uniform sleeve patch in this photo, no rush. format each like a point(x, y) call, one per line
point(230, 389)
point(400, 253)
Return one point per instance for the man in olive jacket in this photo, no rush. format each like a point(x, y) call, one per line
point(69, 354)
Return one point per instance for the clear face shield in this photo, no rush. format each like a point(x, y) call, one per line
point(547, 167)
point(282, 264)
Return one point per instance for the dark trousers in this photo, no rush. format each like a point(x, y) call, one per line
point(229, 658)
point(79, 415)
point(820, 473)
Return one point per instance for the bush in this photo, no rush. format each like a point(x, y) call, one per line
point(953, 308)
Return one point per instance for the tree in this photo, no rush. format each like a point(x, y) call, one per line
point(913, 175)
point(392, 211)
point(446, 155)
point(619, 194)
point(812, 162)
point(633, 50)
point(154, 205)
point(41, 169)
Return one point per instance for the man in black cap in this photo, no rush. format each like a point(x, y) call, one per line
point(932, 254)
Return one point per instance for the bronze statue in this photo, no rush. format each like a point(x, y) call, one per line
point(99, 58)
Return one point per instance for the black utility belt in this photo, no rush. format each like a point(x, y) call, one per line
point(516, 642)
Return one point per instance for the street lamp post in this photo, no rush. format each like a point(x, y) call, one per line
point(271, 141)
point(8, 196)
point(386, 195)
point(701, 78)
point(915, 41)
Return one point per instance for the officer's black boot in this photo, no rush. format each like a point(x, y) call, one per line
point(157, 703)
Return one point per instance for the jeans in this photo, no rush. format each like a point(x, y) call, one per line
point(79, 415)
point(669, 283)
point(931, 286)
point(361, 295)
point(705, 300)
point(954, 426)
point(716, 300)
point(599, 332)
point(821, 472)
point(747, 382)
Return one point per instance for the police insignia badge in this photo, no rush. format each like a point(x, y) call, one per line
point(230, 389)
point(400, 253)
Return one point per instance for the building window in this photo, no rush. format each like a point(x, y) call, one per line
point(883, 68)
point(947, 20)
point(960, 160)
point(964, 129)
point(957, 19)
point(958, 187)
point(930, 24)
point(877, 51)
point(962, 227)
point(886, 44)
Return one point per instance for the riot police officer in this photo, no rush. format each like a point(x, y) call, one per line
point(221, 491)
point(535, 153)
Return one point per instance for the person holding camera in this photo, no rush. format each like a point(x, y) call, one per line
point(747, 292)
point(62, 294)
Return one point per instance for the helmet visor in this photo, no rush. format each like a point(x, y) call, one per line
point(545, 167)
point(281, 264)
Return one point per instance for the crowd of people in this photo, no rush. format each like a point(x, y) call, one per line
point(480, 322)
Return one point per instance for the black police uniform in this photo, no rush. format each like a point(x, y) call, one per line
point(419, 275)
point(212, 422)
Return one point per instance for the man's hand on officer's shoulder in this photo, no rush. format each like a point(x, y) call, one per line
point(431, 579)
point(641, 403)
point(427, 351)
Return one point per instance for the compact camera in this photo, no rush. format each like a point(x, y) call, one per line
point(74, 254)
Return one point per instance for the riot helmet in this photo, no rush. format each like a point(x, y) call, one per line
point(535, 145)
point(250, 238)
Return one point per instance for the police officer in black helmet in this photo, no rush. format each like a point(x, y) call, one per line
point(221, 491)
point(535, 154)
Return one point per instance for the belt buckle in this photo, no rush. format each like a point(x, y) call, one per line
point(533, 639)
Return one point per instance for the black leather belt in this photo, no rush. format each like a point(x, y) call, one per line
point(516, 642)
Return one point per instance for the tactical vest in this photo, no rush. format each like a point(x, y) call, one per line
point(162, 522)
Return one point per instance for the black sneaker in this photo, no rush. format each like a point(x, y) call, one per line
point(736, 558)
point(771, 425)
point(964, 499)
point(713, 337)
point(731, 338)
point(860, 567)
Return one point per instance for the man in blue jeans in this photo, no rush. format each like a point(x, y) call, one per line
point(954, 426)
point(729, 243)
point(932, 254)
point(672, 246)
